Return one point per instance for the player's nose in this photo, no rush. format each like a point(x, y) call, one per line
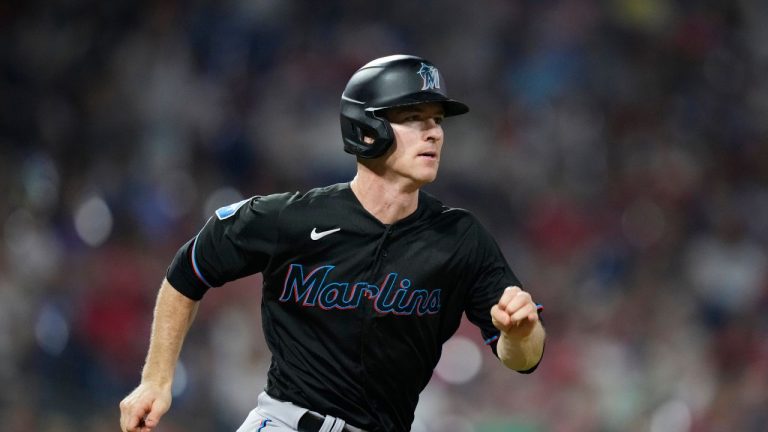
point(433, 131)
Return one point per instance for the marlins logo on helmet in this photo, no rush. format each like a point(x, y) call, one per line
point(430, 76)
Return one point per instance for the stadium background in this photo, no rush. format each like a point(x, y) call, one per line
point(618, 149)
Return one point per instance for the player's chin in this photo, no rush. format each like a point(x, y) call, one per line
point(426, 179)
point(427, 174)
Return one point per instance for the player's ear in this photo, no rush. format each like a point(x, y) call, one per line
point(367, 139)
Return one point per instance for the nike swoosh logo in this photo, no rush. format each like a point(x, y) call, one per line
point(314, 235)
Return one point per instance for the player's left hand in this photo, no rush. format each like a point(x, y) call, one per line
point(515, 314)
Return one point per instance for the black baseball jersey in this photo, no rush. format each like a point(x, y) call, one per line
point(354, 311)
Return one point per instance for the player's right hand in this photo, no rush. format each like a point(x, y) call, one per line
point(141, 410)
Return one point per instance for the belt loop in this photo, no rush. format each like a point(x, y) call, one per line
point(339, 427)
point(328, 423)
point(332, 424)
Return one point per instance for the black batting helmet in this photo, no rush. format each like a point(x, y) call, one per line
point(388, 82)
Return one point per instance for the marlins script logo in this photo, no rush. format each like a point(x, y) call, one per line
point(393, 296)
point(430, 76)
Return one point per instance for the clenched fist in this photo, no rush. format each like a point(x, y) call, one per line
point(515, 315)
point(141, 410)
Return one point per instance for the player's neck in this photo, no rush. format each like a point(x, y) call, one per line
point(387, 201)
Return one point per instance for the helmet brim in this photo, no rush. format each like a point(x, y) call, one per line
point(451, 107)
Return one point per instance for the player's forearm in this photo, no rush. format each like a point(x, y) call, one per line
point(173, 315)
point(522, 354)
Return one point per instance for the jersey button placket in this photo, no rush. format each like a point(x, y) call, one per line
point(381, 250)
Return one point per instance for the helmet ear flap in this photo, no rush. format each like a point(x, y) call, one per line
point(354, 132)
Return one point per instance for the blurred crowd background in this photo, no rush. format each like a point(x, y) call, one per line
point(617, 149)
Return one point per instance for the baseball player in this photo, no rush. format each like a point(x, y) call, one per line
point(363, 281)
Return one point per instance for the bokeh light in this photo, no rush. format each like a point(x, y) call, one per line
point(93, 221)
point(460, 362)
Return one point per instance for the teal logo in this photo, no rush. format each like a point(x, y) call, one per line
point(229, 210)
point(430, 76)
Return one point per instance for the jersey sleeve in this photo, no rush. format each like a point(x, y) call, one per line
point(492, 276)
point(237, 241)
